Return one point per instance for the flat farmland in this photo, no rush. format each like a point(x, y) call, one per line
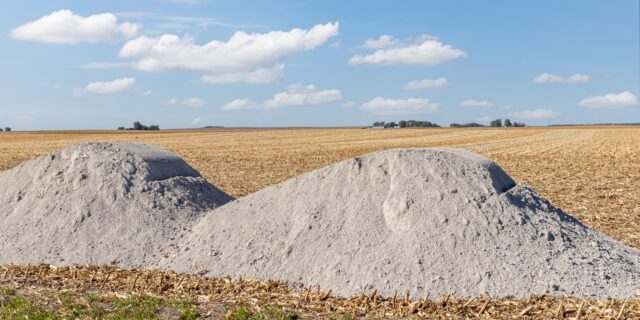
point(591, 172)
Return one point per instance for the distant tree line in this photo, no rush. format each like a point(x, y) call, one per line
point(417, 124)
point(7, 129)
point(139, 126)
point(497, 123)
point(406, 124)
point(465, 125)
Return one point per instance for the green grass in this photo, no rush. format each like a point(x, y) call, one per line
point(14, 307)
point(135, 308)
point(18, 305)
point(68, 305)
point(188, 310)
point(266, 313)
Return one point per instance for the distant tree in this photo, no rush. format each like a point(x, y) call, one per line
point(497, 123)
point(0, 129)
point(7, 129)
point(519, 124)
point(507, 123)
point(466, 125)
point(421, 124)
point(402, 124)
point(378, 124)
point(139, 126)
point(390, 125)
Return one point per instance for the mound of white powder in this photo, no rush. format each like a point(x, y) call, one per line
point(100, 203)
point(440, 220)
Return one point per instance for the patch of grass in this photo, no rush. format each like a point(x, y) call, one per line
point(240, 313)
point(7, 292)
point(16, 308)
point(187, 310)
point(75, 306)
point(135, 307)
point(265, 313)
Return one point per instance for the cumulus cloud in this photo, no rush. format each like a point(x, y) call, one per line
point(611, 100)
point(196, 121)
point(536, 114)
point(299, 95)
point(240, 104)
point(383, 41)
point(146, 93)
point(547, 78)
point(106, 87)
point(65, 27)
point(348, 104)
point(426, 50)
point(171, 102)
point(193, 102)
point(295, 95)
point(383, 106)
point(188, 102)
point(243, 57)
point(475, 103)
point(264, 75)
point(426, 83)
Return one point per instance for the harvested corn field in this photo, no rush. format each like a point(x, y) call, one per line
point(590, 172)
point(62, 289)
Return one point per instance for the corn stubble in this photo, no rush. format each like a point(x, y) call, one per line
point(307, 302)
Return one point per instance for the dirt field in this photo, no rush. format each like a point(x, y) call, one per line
point(592, 172)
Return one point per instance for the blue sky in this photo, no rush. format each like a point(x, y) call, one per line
point(189, 63)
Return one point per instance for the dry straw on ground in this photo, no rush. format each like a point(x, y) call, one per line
point(308, 303)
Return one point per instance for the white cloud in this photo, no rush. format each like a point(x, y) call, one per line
point(65, 27)
point(383, 41)
point(382, 106)
point(188, 102)
point(553, 78)
point(240, 104)
point(196, 121)
point(475, 103)
point(536, 114)
point(426, 83)
point(348, 104)
point(298, 95)
point(264, 75)
point(425, 50)
point(146, 93)
point(193, 102)
point(295, 95)
point(244, 57)
point(611, 100)
point(106, 87)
